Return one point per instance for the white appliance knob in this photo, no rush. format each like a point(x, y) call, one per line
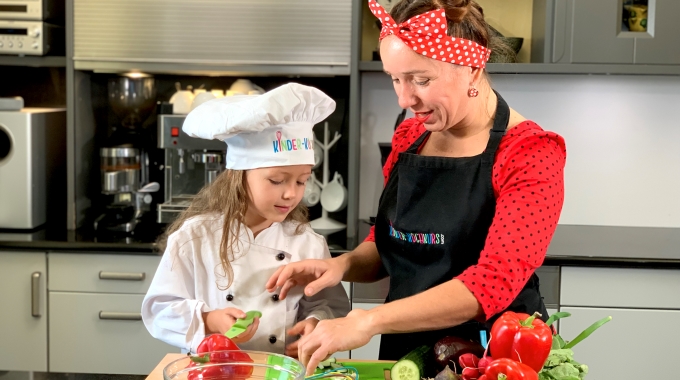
point(35, 45)
point(10, 44)
point(20, 44)
point(1, 44)
point(35, 32)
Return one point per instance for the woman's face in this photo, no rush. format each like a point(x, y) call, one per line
point(435, 91)
point(276, 191)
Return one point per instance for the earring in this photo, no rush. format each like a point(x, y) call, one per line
point(472, 92)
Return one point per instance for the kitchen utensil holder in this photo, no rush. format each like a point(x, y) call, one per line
point(325, 225)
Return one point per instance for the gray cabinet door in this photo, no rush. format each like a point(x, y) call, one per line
point(101, 333)
point(23, 319)
point(586, 32)
point(635, 344)
point(664, 47)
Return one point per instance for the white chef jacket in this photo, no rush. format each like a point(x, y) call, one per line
point(186, 284)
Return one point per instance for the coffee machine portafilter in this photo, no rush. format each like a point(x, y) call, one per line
point(190, 164)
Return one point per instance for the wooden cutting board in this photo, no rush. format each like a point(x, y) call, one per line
point(368, 369)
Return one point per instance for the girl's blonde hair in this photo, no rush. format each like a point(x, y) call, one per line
point(227, 195)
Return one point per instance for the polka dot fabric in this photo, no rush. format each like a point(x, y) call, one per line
point(426, 35)
point(528, 181)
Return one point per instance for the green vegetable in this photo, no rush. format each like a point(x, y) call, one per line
point(242, 324)
point(327, 363)
point(412, 365)
point(560, 364)
point(557, 316)
point(586, 333)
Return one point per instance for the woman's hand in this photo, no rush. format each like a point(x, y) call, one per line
point(301, 328)
point(220, 321)
point(315, 275)
point(333, 335)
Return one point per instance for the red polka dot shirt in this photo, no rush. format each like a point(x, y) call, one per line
point(528, 181)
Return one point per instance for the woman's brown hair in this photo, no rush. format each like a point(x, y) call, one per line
point(465, 19)
point(228, 196)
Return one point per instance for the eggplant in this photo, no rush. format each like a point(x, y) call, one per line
point(448, 349)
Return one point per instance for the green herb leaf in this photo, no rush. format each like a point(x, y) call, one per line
point(558, 342)
point(558, 357)
point(557, 316)
point(586, 333)
point(565, 371)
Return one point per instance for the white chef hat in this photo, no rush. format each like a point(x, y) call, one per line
point(273, 129)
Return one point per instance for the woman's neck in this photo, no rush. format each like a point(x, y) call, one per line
point(470, 136)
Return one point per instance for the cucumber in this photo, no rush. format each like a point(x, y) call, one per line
point(412, 365)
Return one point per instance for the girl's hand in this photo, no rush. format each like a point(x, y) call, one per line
point(220, 321)
point(248, 334)
point(300, 328)
point(315, 275)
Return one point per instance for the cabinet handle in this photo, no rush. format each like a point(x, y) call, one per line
point(35, 294)
point(114, 315)
point(122, 276)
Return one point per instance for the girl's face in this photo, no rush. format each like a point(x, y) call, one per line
point(275, 191)
point(435, 91)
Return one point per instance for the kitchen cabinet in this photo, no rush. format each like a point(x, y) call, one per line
point(590, 31)
point(101, 333)
point(299, 36)
point(645, 307)
point(635, 344)
point(23, 320)
point(95, 314)
point(664, 47)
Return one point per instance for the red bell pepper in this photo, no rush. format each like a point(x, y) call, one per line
point(522, 338)
point(216, 342)
point(507, 369)
point(219, 349)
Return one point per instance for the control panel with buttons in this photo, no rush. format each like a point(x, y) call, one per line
point(30, 38)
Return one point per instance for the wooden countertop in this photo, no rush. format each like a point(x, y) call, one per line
point(157, 373)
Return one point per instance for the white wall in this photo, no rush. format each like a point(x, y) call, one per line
point(622, 135)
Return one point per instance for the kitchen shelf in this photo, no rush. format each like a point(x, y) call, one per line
point(32, 61)
point(208, 68)
point(557, 68)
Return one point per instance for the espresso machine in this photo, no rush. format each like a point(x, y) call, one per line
point(190, 164)
point(121, 174)
point(126, 189)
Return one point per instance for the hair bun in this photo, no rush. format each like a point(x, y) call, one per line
point(456, 10)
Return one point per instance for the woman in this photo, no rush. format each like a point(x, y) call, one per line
point(472, 196)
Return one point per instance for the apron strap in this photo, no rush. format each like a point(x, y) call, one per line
point(500, 124)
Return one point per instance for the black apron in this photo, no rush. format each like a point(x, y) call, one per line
point(433, 218)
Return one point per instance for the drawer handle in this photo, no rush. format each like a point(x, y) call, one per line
point(117, 316)
point(122, 276)
point(35, 294)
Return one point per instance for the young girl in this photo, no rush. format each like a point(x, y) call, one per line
point(221, 251)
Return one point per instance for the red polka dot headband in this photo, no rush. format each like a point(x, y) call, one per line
point(426, 35)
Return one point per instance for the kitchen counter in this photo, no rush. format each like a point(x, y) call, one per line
point(636, 247)
point(84, 240)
